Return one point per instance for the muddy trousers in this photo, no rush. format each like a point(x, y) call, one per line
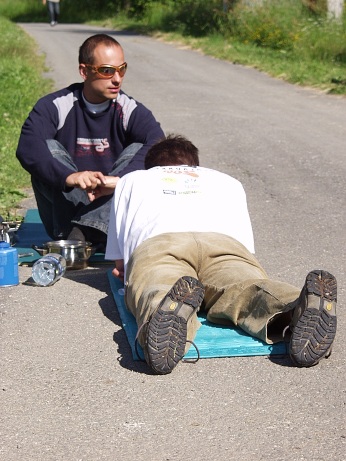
point(237, 289)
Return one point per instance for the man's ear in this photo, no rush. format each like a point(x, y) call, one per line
point(83, 71)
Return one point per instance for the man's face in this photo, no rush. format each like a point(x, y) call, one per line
point(98, 89)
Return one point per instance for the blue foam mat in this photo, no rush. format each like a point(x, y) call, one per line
point(211, 340)
point(32, 232)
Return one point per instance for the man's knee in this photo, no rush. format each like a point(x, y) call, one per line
point(59, 152)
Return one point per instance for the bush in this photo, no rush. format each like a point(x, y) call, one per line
point(198, 17)
point(188, 17)
point(324, 40)
point(271, 24)
point(162, 18)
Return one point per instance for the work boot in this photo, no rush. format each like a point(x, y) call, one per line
point(314, 320)
point(166, 332)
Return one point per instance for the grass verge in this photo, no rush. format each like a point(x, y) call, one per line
point(22, 84)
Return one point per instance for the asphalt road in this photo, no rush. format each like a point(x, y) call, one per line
point(70, 389)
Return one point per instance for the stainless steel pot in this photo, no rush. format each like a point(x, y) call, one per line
point(76, 252)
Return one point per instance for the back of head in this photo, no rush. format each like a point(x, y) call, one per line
point(174, 150)
point(86, 51)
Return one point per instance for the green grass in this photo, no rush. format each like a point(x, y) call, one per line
point(23, 10)
point(22, 84)
point(289, 39)
point(281, 64)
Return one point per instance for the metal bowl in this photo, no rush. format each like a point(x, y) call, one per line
point(76, 252)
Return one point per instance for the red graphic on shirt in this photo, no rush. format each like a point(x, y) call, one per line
point(92, 147)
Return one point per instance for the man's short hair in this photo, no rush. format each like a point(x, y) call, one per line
point(173, 150)
point(86, 51)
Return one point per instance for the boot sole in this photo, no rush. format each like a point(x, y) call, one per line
point(314, 333)
point(167, 330)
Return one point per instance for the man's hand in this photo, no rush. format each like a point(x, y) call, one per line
point(118, 271)
point(107, 188)
point(86, 180)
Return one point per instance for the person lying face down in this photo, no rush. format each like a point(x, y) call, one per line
point(182, 240)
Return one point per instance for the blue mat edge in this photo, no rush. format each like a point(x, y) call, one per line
point(252, 347)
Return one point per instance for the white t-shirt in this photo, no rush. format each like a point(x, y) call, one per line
point(175, 199)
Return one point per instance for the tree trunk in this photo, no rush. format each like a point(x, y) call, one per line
point(335, 8)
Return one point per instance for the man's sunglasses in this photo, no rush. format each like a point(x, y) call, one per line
point(108, 71)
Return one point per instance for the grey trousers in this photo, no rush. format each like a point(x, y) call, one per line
point(237, 289)
point(53, 10)
point(60, 210)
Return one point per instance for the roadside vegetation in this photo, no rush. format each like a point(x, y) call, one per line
point(295, 40)
point(21, 84)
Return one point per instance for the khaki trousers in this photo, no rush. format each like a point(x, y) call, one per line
point(237, 289)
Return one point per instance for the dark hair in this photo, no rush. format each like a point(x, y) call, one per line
point(86, 51)
point(174, 150)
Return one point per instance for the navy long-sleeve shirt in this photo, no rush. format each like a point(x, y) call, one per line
point(94, 141)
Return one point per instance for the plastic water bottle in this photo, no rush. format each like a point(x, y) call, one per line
point(49, 269)
point(8, 265)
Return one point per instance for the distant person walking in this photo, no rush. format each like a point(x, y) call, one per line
point(53, 10)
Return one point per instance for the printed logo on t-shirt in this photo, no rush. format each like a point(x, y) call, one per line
point(188, 170)
point(180, 180)
point(96, 147)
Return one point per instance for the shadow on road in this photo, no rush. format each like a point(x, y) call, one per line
point(96, 278)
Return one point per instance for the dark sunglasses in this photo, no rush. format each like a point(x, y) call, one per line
point(107, 71)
